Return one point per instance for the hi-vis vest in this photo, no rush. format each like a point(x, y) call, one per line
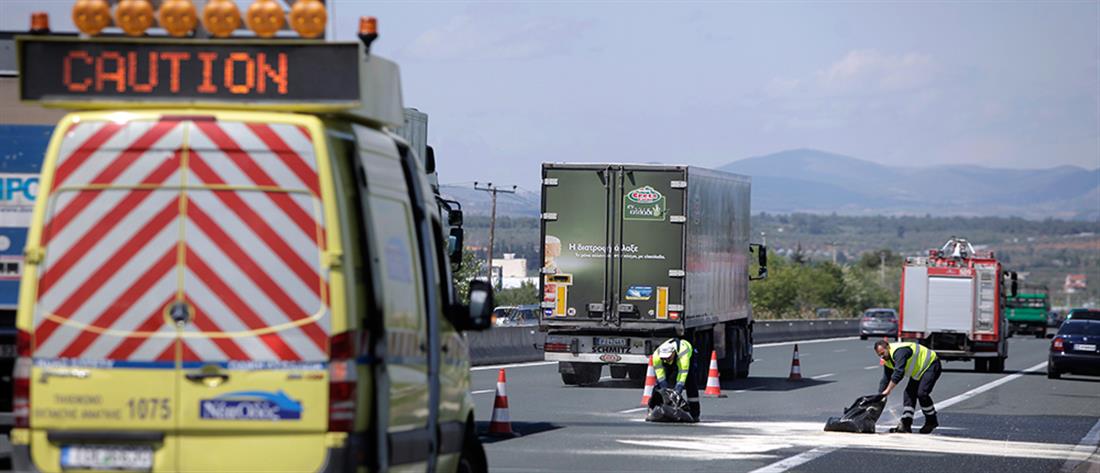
point(683, 360)
point(919, 361)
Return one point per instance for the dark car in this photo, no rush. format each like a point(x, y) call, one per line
point(1074, 348)
point(878, 322)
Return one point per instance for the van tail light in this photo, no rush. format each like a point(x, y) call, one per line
point(342, 380)
point(21, 381)
point(1058, 344)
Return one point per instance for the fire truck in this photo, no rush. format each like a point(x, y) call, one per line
point(952, 301)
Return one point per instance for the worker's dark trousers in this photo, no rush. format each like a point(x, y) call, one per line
point(921, 391)
point(691, 387)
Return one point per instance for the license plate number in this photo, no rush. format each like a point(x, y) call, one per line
point(611, 342)
point(8, 351)
point(107, 457)
point(1084, 347)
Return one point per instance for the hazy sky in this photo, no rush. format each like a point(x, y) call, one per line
point(508, 85)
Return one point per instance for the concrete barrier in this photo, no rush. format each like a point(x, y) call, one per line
point(518, 344)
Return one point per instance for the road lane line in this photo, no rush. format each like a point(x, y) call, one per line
point(842, 350)
point(872, 367)
point(636, 409)
point(791, 462)
point(803, 342)
point(483, 391)
point(512, 365)
point(822, 376)
point(1087, 448)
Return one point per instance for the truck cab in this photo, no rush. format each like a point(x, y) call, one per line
point(235, 264)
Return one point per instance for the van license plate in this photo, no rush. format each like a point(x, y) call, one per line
point(611, 342)
point(1084, 347)
point(107, 457)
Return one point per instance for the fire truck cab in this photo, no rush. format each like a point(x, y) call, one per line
point(952, 301)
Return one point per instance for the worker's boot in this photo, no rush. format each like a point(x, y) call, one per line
point(930, 424)
point(903, 427)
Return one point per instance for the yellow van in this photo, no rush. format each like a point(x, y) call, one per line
point(235, 265)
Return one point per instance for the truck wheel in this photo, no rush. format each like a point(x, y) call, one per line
point(997, 365)
point(569, 379)
point(743, 369)
point(637, 372)
point(1041, 333)
point(472, 459)
point(587, 374)
point(981, 365)
point(617, 371)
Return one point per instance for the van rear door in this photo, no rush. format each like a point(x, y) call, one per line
point(103, 385)
point(255, 347)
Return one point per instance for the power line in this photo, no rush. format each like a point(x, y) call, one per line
point(493, 191)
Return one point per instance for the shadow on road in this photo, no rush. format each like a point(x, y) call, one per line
point(523, 429)
point(777, 384)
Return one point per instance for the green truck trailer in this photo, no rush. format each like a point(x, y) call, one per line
point(1027, 312)
point(635, 254)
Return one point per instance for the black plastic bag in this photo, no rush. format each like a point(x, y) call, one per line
point(667, 406)
point(860, 416)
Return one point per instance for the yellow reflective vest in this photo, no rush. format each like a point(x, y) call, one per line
point(918, 362)
point(683, 360)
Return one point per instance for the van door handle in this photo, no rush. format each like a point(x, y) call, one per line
point(204, 376)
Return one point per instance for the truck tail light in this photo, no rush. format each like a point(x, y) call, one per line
point(556, 347)
point(1058, 344)
point(342, 382)
point(21, 381)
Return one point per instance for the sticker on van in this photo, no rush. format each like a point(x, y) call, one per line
point(251, 405)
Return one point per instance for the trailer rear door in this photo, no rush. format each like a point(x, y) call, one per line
point(649, 272)
point(576, 230)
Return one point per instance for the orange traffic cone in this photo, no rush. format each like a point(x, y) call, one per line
point(713, 388)
point(650, 382)
point(796, 368)
point(501, 423)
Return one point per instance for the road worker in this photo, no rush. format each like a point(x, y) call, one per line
point(923, 367)
point(674, 364)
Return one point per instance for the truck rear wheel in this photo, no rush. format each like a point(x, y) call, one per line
point(981, 365)
point(617, 371)
point(997, 365)
point(1041, 333)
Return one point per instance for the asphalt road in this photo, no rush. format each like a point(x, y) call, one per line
point(1016, 421)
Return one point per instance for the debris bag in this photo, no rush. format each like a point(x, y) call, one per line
point(667, 406)
point(860, 417)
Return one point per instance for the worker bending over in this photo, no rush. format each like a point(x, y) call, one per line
point(673, 360)
point(923, 367)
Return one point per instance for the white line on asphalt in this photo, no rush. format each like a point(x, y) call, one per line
point(483, 391)
point(822, 376)
point(1087, 448)
point(512, 365)
point(791, 462)
point(636, 409)
point(803, 342)
point(842, 350)
point(872, 367)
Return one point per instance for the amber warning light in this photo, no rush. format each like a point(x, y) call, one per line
point(72, 70)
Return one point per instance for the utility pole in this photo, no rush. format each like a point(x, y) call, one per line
point(493, 191)
point(882, 268)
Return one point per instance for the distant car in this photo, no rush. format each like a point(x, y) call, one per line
point(516, 316)
point(878, 322)
point(1086, 314)
point(1074, 348)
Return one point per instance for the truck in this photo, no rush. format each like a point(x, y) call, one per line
point(234, 263)
point(952, 301)
point(634, 254)
point(1028, 311)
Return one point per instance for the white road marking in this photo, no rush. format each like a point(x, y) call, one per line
point(872, 367)
point(636, 409)
point(803, 342)
point(1038, 450)
point(791, 462)
point(1088, 447)
point(842, 350)
point(483, 391)
point(513, 365)
point(822, 376)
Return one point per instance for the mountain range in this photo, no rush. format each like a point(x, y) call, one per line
point(813, 181)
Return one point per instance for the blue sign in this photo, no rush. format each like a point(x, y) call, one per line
point(251, 405)
point(639, 293)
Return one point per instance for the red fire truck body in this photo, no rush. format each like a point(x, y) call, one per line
point(951, 301)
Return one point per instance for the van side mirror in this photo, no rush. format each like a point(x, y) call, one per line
point(478, 315)
point(761, 261)
point(429, 161)
point(454, 217)
point(454, 245)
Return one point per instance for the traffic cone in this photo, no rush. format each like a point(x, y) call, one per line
point(796, 368)
point(501, 423)
point(713, 388)
point(650, 382)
